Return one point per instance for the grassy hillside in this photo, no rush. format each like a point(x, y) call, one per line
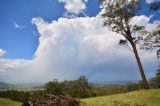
point(8, 102)
point(136, 98)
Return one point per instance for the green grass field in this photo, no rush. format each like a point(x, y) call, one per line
point(136, 98)
point(8, 102)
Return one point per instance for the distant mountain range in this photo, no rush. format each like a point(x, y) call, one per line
point(5, 85)
point(103, 83)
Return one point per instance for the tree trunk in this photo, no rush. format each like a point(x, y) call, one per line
point(146, 86)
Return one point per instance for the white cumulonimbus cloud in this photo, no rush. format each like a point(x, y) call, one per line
point(14, 66)
point(140, 20)
point(69, 48)
point(145, 21)
point(74, 7)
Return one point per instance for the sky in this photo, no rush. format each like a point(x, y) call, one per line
point(41, 40)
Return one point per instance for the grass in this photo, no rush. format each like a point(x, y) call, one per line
point(8, 102)
point(136, 98)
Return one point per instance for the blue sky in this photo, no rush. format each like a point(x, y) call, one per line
point(39, 39)
point(22, 43)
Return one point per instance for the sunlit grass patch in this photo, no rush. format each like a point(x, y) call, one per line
point(136, 98)
point(8, 102)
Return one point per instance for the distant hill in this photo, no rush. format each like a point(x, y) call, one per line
point(105, 83)
point(31, 85)
point(21, 87)
point(4, 85)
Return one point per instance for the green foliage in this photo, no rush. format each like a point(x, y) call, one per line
point(54, 87)
point(132, 86)
point(152, 83)
point(157, 78)
point(155, 81)
point(80, 88)
point(158, 53)
point(15, 95)
point(22, 96)
point(123, 42)
point(34, 95)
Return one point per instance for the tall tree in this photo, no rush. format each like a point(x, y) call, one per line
point(117, 16)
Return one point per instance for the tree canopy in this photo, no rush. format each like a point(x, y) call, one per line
point(117, 15)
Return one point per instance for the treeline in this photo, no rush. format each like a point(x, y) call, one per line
point(14, 95)
point(80, 88)
point(154, 83)
point(21, 96)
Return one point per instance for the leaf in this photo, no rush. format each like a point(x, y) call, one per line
point(158, 53)
point(123, 42)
